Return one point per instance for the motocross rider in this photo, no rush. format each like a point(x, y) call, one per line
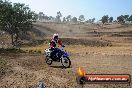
point(55, 39)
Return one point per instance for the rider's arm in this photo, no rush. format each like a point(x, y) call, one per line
point(59, 41)
point(51, 45)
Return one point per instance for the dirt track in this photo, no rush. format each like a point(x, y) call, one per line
point(28, 69)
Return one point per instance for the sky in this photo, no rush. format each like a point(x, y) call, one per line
point(75, 8)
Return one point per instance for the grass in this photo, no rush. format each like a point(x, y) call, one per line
point(11, 50)
point(37, 49)
point(72, 49)
point(44, 46)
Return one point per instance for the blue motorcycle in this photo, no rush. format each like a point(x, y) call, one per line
point(57, 55)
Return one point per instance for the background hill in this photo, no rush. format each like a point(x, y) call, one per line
point(116, 34)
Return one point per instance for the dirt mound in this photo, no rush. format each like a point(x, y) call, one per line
point(44, 28)
point(88, 34)
point(29, 69)
point(71, 41)
point(86, 42)
point(111, 34)
point(122, 34)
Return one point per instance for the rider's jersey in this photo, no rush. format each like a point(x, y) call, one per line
point(53, 43)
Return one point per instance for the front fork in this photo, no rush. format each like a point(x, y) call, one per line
point(61, 58)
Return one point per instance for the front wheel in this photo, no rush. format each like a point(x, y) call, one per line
point(48, 60)
point(66, 62)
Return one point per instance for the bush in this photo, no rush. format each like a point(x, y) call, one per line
point(39, 51)
point(30, 51)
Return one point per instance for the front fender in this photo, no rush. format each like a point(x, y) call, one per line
point(47, 52)
point(65, 54)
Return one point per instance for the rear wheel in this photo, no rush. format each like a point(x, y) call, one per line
point(48, 60)
point(66, 62)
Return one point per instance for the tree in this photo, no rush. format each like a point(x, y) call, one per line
point(35, 16)
point(121, 19)
point(51, 18)
point(126, 17)
point(68, 18)
point(115, 21)
point(130, 18)
point(81, 18)
point(46, 18)
point(15, 19)
point(90, 20)
point(59, 15)
point(74, 19)
point(93, 20)
point(105, 19)
point(111, 19)
point(64, 19)
point(41, 16)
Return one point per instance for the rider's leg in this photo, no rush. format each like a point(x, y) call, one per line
point(53, 51)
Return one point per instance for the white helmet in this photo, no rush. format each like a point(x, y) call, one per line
point(56, 35)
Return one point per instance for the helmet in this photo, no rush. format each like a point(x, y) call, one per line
point(55, 35)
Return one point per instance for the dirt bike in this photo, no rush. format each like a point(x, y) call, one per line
point(60, 56)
